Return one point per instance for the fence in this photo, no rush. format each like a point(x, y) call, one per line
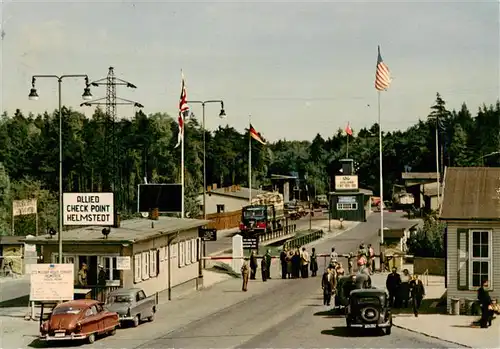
point(277, 233)
point(226, 220)
point(304, 239)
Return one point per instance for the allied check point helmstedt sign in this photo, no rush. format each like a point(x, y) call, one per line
point(88, 209)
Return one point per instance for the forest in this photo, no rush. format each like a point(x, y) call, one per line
point(144, 146)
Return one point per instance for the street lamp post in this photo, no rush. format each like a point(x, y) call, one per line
point(87, 95)
point(222, 115)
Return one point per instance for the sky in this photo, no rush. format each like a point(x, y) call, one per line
point(298, 68)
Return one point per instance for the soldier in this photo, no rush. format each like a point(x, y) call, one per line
point(253, 265)
point(82, 275)
point(244, 275)
point(268, 260)
point(263, 269)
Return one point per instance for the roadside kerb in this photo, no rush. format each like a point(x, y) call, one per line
point(429, 336)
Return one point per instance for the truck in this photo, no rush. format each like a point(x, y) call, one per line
point(400, 198)
point(266, 212)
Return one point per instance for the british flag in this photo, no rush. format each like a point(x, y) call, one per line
point(183, 110)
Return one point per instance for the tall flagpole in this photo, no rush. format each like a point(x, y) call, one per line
point(182, 167)
point(249, 160)
point(381, 174)
point(347, 155)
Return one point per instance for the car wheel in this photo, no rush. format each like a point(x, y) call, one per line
point(348, 323)
point(91, 338)
point(388, 331)
point(112, 332)
point(152, 317)
point(136, 321)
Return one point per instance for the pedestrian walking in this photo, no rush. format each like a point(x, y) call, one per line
point(484, 299)
point(392, 284)
point(304, 257)
point(263, 269)
point(245, 270)
point(314, 263)
point(328, 286)
point(268, 259)
point(417, 293)
point(404, 289)
point(283, 262)
point(253, 265)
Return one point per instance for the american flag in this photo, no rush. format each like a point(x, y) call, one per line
point(383, 75)
point(183, 110)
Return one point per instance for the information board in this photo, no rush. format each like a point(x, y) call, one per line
point(23, 207)
point(207, 234)
point(88, 209)
point(251, 243)
point(52, 282)
point(346, 182)
point(123, 263)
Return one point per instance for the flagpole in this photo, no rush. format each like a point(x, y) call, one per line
point(182, 169)
point(249, 161)
point(381, 175)
point(347, 155)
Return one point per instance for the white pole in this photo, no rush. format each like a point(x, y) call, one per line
point(437, 161)
point(182, 167)
point(249, 161)
point(381, 175)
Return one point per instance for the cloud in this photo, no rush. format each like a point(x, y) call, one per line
point(40, 37)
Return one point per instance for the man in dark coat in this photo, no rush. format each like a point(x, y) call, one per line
point(484, 299)
point(268, 259)
point(392, 283)
point(328, 285)
point(283, 262)
point(263, 269)
point(253, 265)
point(417, 293)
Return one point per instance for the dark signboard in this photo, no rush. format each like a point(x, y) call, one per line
point(164, 197)
point(207, 234)
point(251, 243)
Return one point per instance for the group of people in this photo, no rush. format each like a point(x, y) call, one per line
point(403, 288)
point(296, 263)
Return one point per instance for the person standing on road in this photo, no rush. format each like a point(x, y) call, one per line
point(314, 263)
point(484, 299)
point(268, 259)
point(244, 275)
point(371, 255)
point(417, 293)
point(263, 269)
point(392, 284)
point(253, 265)
point(304, 257)
point(350, 262)
point(296, 265)
point(328, 286)
point(334, 256)
point(404, 289)
point(283, 262)
point(289, 269)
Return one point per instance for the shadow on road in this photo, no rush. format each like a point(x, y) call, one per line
point(16, 302)
point(345, 332)
point(332, 313)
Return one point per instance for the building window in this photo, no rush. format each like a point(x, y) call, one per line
point(153, 263)
point(347, 206)
point(187, 253)
point(182, 253)
point(145, 265)
point(220, 208)
point(480, 253)
point(137, 268)
point(109, 264)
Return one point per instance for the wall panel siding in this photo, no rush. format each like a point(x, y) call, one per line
point(452, 261)
point(230, 203)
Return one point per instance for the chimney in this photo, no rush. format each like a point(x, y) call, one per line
point(209, 188)
point(214, 186)
point(117, 220)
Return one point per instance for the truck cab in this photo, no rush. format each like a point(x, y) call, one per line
point(256, 218)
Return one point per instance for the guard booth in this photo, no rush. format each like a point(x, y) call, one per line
point(348, 202)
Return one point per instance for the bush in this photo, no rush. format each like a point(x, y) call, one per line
point(428, 241)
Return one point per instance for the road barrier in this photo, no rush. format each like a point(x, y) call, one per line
point(304, 239)
point(321, 255)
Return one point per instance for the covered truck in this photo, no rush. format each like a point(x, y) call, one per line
point(266, 213)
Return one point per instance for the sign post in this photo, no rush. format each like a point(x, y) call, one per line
point(205, 235)
point(80, 209)
point(346, 182)
point(24, 208)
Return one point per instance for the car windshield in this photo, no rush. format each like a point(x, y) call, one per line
point(120, 299)
point(254, 212)
point(66, 311)
point(368, 300)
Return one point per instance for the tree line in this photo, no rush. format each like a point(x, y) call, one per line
point(101, 155)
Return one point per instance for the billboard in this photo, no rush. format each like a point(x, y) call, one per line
point(23, 207)
point(88, 209)
point(165, 197)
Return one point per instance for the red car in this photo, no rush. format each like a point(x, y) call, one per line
point(79, 320)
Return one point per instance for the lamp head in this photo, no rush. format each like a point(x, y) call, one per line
point(33, 96)
point(87, 95)
point(222, 114)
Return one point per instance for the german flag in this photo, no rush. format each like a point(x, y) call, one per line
point(256, 135)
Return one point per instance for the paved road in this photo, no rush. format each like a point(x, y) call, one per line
point(14, 292)
point(289, 314)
